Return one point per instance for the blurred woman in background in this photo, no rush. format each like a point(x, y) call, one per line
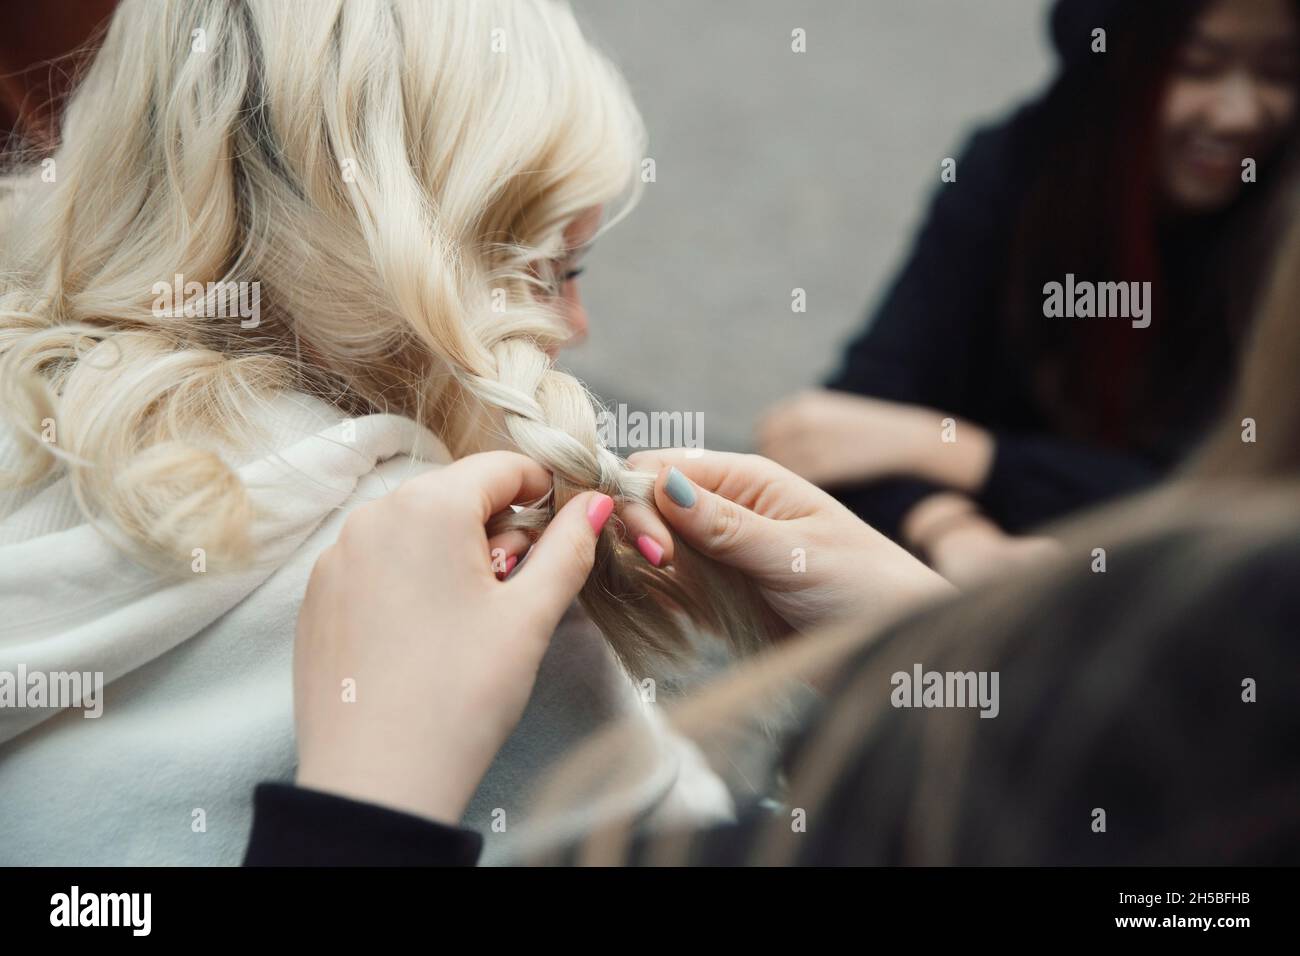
point(1153, 158)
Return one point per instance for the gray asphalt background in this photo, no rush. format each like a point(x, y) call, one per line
point(778, 170)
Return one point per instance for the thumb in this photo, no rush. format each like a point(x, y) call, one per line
point(557, 566)
point(712, 524)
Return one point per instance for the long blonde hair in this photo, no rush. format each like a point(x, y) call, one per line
point(396, 176)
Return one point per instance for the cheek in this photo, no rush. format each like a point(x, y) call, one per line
point(1184, 103)
point(1281, 107)
point(574, 312)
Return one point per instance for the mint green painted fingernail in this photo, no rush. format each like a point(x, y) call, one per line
point(679, 489)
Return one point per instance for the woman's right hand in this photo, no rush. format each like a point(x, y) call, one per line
point(835, 438)
point(414, 661)
point(814, 561)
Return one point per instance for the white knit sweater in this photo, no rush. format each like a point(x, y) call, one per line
point(198, 697)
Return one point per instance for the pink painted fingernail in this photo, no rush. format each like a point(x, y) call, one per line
point(650, 549)
point(598, 512)
point(509, 566)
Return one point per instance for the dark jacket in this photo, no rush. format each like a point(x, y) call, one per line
point(936, 340)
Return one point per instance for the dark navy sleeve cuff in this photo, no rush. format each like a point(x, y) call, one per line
point(294, 826)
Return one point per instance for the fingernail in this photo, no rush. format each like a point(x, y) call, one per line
point(650, 549)
point(509, 566)
point(598, 512)
point(522, 561)
point(679, 488)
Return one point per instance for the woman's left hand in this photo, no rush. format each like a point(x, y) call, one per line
point(414, 661)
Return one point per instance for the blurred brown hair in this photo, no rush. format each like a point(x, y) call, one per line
point(1266, 389)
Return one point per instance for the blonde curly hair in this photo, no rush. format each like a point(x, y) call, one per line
point(390, 173)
